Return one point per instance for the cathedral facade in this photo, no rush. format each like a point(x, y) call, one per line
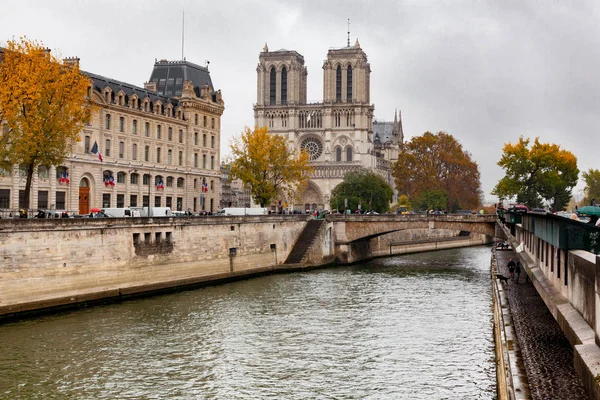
point(339, 133)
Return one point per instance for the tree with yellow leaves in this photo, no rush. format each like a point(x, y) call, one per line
point(264, 163)
point(43, 107)
point(542, 172)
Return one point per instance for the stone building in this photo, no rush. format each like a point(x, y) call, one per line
point(157, 145)
point(233, 192)
point(339, 133)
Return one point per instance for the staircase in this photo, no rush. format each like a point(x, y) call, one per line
point(305, 240)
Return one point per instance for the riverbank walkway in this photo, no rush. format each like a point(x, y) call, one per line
point(546, 352)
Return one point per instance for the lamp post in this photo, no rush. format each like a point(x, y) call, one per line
point(149, 187)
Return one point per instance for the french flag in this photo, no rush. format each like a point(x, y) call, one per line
point(95, 150)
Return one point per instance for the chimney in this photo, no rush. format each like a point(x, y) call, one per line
point(71, 61)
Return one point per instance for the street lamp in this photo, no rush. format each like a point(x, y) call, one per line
point(149, 186)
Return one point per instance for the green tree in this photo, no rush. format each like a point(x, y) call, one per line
point(532, 175)
point(362, 187)
point(592, 186)
point(432, 164)
point(264, 163)
point(43, 105)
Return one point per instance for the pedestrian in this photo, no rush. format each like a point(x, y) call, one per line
point(511, 268)
point(517, 271)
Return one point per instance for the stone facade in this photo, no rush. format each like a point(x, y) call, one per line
point(160, 145)
point(339, 133)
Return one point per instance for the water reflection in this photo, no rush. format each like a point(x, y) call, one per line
point(410, 327)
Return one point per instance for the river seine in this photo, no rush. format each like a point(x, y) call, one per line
point(409, 327)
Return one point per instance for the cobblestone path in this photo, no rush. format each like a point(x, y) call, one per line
point(546, 352)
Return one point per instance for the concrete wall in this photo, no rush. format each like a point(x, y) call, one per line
point(50, 262)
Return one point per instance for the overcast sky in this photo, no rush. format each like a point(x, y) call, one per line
point(484, 71)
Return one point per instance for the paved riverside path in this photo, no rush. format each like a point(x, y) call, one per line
point(546, 352)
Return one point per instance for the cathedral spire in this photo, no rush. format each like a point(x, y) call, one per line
point(395, 116)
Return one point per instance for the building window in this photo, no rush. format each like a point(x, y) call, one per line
point(121, 124)
point(120, 200)
point(212, 142)
point(284, 86)
point(338, 154)
point(134, 127)
point(146, 179)
point(349, 154)
point(134, 152)
point(147, 153)
point(158, 155)
point(134, 179)
point(121, 149)
point(195, 183)
point(60, 200)
point(349, 84)
point(204, 161)
point(169, 156)
point(180, 158)
point(107, 124)
point(42, 199)
point(338, 84)
point(272, 86)
point(157, 201)
point(212, 185)
point(212, 123)
point(105, 200)
point(86, 145)
point(204, 140)
point(169, 201)
point(107, 148)
point(145, 201)
point(180, 136)
point(170, 134)
point(147, 129)
point(195, 119)
point(204, 121)
point(43, 172)
point(180, 182)
point(212, 162)
point(158, 132)
point(4, 198)
point(169, 181)
point(195, 138)
point(195, 160)
point(120, 177)
point(133, 200)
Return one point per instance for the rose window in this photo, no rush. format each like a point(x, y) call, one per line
point(313, 147)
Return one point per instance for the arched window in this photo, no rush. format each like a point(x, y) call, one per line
point(134, 179)
point(134, 130)
point(107, 121)
point(204, 140)
point(181, 158)
point(204, 161)
point(158, 132)
point(180, 182)
point(349, 84)
point(147, 129)
point(180, 136)
point(121, 177)
point(121, 124)
point(170, 134)
point(195, 160)
point(134, 152)
point(349, 153)
point(338, 84)
point(204, 121)
point(273, 86)
point(147, 153)
point(158, 154)
point(196, 138)
point(212, 162)
point(338, 154)
point(284, 86)
point(169, 156)
point(212, 142)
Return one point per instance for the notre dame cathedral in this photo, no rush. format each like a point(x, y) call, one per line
point(339, 133)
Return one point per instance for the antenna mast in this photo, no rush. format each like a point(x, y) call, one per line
point(182, 33)
point(348, 32)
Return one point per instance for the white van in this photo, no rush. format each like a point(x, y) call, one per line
point(243, 211)
point(156, 212)
point(120, 212)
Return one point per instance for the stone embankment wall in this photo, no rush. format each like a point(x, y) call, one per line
point(45, 263)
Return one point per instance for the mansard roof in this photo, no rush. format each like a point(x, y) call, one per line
point(100, 82)
point(170, 75)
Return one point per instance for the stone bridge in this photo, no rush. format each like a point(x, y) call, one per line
point(352, 228)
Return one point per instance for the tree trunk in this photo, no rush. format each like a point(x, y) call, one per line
point(26, 204)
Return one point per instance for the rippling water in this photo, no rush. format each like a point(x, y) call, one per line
point(409, 327)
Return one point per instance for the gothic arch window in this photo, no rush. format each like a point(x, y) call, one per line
point(338, 154)
point(272, 86)
point(284, 86)
point(348, 153)
point(349, 84)
point(338, 84)
point(313, 147)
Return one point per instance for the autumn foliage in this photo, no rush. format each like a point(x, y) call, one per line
point(264, 163)
point(591, 178)
point(434, 171)
point(543, 172)
point(43, 107)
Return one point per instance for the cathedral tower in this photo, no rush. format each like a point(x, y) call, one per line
point(281, 77)
point(346, 75)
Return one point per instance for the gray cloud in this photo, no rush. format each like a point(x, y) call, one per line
point(486, 72)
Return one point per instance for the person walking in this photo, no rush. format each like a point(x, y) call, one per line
point(511, 268)
point(517, 271)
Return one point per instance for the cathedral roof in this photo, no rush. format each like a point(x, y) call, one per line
point(383, 130)
point(100, 82)
point(170, 75)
